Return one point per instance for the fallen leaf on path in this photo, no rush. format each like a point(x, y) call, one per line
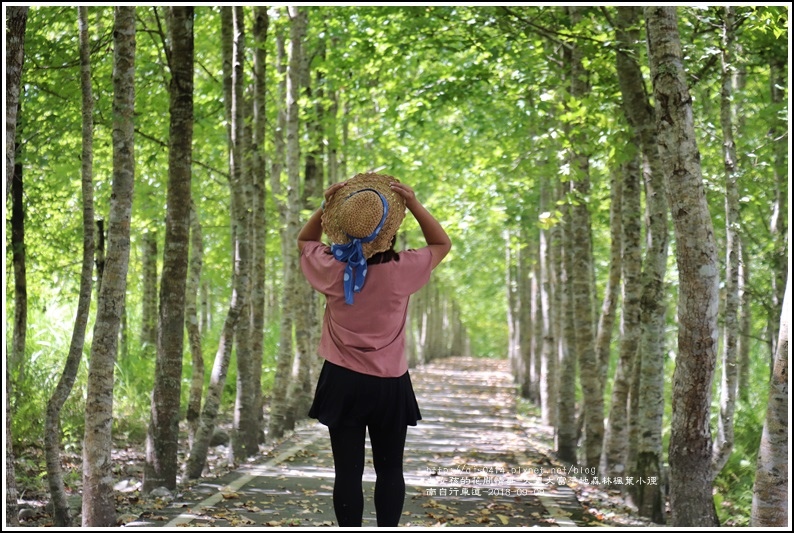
point(126, 519)
point(240, 521)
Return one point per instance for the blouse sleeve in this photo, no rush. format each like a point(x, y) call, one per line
point(415, 268)
point(318, 267)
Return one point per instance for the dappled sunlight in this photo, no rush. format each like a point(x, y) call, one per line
point(471, 461)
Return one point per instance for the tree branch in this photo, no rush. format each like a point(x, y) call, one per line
point(165, 145)
point(553, 34)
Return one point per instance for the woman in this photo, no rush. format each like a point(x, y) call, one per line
point(364, 383)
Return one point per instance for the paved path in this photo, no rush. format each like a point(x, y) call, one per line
point(470, 462)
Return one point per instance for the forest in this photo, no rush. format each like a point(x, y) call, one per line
point(614, 180)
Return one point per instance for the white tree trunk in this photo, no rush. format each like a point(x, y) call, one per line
point(259, 225)
point(691, 500)
point(723, 441)
point(192, 325)
point(566, 443)
point(548, 287)
point(245, 440)
point(647, 498)
point(16, 21)
point(581, 277)
point(99, 506)
point(206, 426)
point(52, 437)
point(616, 446)
point(281, 419)
point(770, 492)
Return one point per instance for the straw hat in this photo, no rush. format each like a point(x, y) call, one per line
point(356, 209)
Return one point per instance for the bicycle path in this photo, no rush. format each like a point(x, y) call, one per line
point(471, 461)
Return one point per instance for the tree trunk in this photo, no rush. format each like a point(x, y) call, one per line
point(581, 274)
point(648, 498)
point(306, 313)
point(206, 426)
point(198, 451)
point(99, 506)
point(277, 166)
point(206, 313)
point(16, 21)
point(435, 335)
point(459, 339)
point(192, 325)
point(534, 325)
point(331, 131)
point(162, 441)
point(770, 491)
point(566, 444)
point(513, 314)
point(527, 292)
point(548, 288)
point(778, 226)
point(245, 439)
point(149, 298)
point(281, 418)
point(345, 137)
point(609, 306)
point(248, 380)
point(745, 325)
point(615, 433)
point(691, 500)
point(19, 256)
point(616, 449)
point(723, 442)
point(259, 225)
point(52, 434)
point(124, 337)
point(100, 255)
point(11, 482)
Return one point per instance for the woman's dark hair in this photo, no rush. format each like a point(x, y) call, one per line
point(385, 256)
point(381, 257)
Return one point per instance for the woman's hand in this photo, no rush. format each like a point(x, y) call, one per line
point(329, 192)
point(406, 192)
point(436, 238)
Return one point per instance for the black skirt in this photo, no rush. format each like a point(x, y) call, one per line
point(347, 398)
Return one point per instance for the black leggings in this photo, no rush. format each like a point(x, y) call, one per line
point(388, 444)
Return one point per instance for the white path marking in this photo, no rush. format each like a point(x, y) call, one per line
point(186, 518)
point(562, 518)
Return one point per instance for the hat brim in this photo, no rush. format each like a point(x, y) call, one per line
point(379, 182)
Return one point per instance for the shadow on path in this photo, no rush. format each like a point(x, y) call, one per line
point(471, 461)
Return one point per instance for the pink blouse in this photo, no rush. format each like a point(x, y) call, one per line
point(369, 335)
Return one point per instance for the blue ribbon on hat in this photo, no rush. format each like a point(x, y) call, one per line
point(352, 253)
